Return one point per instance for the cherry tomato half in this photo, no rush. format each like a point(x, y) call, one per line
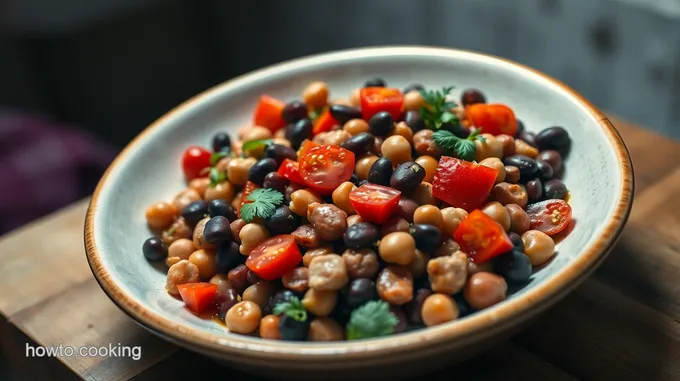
point(463, 184)
point(197, 296)
point(481, 237)
point(274, 257)
point(375, 203)
point(324, 123)
point(494, 119)
point(268, 113)
point(549, 216)
point(195, 161)
point(290, 170)
point(376, 99)
point(325, 167)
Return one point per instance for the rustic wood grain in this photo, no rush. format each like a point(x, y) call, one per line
point(622, 324)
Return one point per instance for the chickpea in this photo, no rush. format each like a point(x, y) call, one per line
point(519, 219)
point(182, 248)
point(491, 147)
point(296, 279)
point(394, 224)
point(281, 140)
point(280, 133)
point(414, 101)
point(222, 282)
point(428, 214)
point(257, 133)
point(451, 218)
point(355, 126)
point(398, 247)
point(508, 143)
point(335, 138)
point(538, 246)
point(448, 247)
point(160, 215)
point(251, 235)
point(402, 129)
point(223, 164)
point(222, 190)
point(184, 198)
point(237, 172)
point(438, 309)
point(498, 213)
point(506, 193)
point(269, 327)
point(430, 164)
point(300, 201)
point(320, 303)
point(355, 97)
point(169, 261)
point(199, 240)
point(485, 289)
point(418, 266)
point(325, 329)
point(474, 268)
point(244, 317)
point(236, 227)
point(206, 262)
point(320, 138)
point(363, 165)
point(310, 254)
point(200, 185)
point(423, 195)
point(179, 229)
point(354, 219)
point(180, 273)
point(397, 149)
point(259, 293)
point(341, 197)
point(524, 148)
point(424, 144)
point(315, 95)
point(497, 164)
point(511, 174)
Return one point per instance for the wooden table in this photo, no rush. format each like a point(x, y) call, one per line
point(621, 324)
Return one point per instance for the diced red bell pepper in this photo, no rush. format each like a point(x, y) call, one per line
point(197, 296)
point(274, 257)
point(463, 184)
point(481, 237)
point(375, 203)
point(268, 113)
point(494, 119)
point(324, 123)
point(376, 99)
point(291, 170)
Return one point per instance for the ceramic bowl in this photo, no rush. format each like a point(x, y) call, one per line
point(598, 172)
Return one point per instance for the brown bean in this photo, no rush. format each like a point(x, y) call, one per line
point(511, 174)
point(222, 282)
point(498, 213)
point(206, 262)
point(315, 95)
point(523, 148)
point(320, 303)
point(181, 272)
point(363, 165)
point(439, 309)
point(160, 215)
point(424, 144)
point(448, 247)
point(355, 126)
point(296, 279)
point(496, 164)
point(406, 208)
point(244, 317)
point(306, 236)
point(430, 164)
point(269, 327)
point(398, 248)
point(199, 240)
point(423, 195)
point(451, 218)
point(327, 272)
point(428, 214)
point(484, 290)
point(418, 266)
point(519, 219)
point(221, 191)
point(397, 149)
point(184, 198)
point(506, 193)
point(448, 274)
point(300, 201)
point(508, 143)
point(238, 277)
point(402, 129)
point(259, 293)
point(341, 197)
point(474, 268)
point(325, 329)
point(236, 227)
point(330, 222)
point(394, 224)
point(361, 263)
point(178, 230)
point(310, 254)
point(538, 246)
point(395, 285)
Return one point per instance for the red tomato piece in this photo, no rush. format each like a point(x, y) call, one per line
point(274, 257)
point(375, 203)
point(247, 190)
point(494, 119)
point(268, 113)
point(290, 170)
point(481, 237)
point(549, 216)
point(196, 162)
point(325, 167)
point(305, 147)
point(376, 99)
point(324, 123)
point(463, 184)
point(197, 296)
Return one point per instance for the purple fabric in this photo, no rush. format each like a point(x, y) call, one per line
point(44, 166)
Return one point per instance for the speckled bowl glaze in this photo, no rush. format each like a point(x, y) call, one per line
point(599, 175)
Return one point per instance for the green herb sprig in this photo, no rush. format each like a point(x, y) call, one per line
point(372, 319)
point(438, 112)
point(264, 202)
point(462, 148)
point(293, 308)
point(253, 144)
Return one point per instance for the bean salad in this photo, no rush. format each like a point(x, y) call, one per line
point(330, 219)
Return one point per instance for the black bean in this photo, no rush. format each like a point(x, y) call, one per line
point(406, 208)
point(217, 230)
point(414, 120)
point(195, 211)
point(359, 143)
point(360, 291)
point(413, 86)
point(275, 181)
point(534, 190)
point(282, 221)
point(472, 96)
point(516, 241)
point(526, 165)
point(552, 138)
point(343, 113)
point(464, 308)
point(354, 179)
point(528, 137)
point(381, 172)
point(251, 277)
point(381, 123)
point(362, 182)
point(414, 307)
point(457, 130)
point(361, 235)
point(520, 128)
point(297, 132)
point(554, 189)
point(154, 249)
point(260, 169)
point(293, 330)
point(553, 158)
point(545, 171)
point(279, 297)
point(294, 111)
point(514, 266)
point(238, 277)
point(428, 237)
point(225, 300)
point(279, 152)
point(375, 82)
point(407, 176)
point(221, 141)
point(341, 313)
point(228, 257)
point(402, 321)
point(221, 207)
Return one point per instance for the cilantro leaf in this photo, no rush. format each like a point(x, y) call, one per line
point(217, 156)
point(438, 110)
point(372, 319)
point(291, 307)
point(253, 144)
point(263, 204)
point(216, 177)
point(466, 150)
point(462, 148)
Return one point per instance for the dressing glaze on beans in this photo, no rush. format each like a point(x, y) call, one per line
point(332, 220)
